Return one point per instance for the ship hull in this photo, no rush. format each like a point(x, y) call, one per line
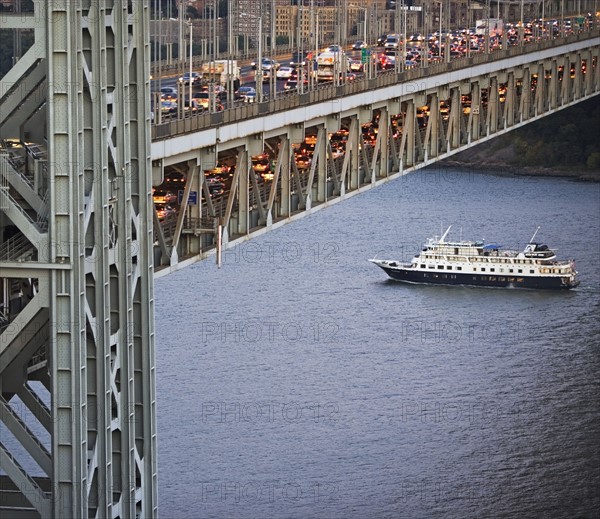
point(538, 282)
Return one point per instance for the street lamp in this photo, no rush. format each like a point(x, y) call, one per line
point(190, 78)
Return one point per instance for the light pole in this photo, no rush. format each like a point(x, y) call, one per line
point(190, 78)
point(259, 64)
point(521, 27)
point(440, 35)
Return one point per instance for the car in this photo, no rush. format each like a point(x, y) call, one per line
point(203, 99)
point(381, 40)
point(164, 212)
point(185, 78)
point(196, 106)
point(292, 83)
point(261, 163)
point(163, 196)
point(355, 65)
point(299, 58)
point(175, 180)
point(387, 61)
point(303, 162)
point(392, 42)
point(359, 44)
point(267, 64)
point(219, 90)
point(168, 92)
point(267, 174)
point(215, 187)
point(168, 106)
point(284, 72)
point(246, 94)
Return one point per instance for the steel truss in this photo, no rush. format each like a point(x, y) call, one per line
point(408, 138)
point(77, 372)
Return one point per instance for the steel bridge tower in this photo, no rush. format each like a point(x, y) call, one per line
point(77, 375)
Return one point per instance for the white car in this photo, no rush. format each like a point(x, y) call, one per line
point(284, 72)
point(392, 42)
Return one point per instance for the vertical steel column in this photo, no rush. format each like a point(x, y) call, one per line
point(432, 134)
point(578, 80)
point(383, 136)
point(320, 154)
point(454, 119)
point(565, 84)
point(553, 89)
point(475, 112)
point(540, 90)
point(493, 107)
point(588, 79)
point(355, 142)
point(101, 334)
point(411, 129)
point(285, 179)
point(243, 191)
point(66, 227)
point(510, 101)
point(525, 100)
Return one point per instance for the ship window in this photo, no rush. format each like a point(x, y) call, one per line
point(482, 269)
point(492, 269)
point(430, 266)
point(449, 267)
point(455, 250)
point(511, 270)
point(474, 269)
point(422, 265)
point(520, 271)
point(458, 268)
point(531, 271)
point(519, 280)
point(441, 267)
point(501, 279)
point(511, 280)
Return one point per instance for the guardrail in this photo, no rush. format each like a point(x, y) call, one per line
point(329, 91)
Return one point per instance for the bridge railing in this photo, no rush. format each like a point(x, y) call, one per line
point(328, 92)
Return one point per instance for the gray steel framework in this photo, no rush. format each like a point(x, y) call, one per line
point(77, 374)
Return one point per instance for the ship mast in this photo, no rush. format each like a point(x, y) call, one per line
point(536, 231)
point(445, 234)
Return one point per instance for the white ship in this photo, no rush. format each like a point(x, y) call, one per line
point(481, 264)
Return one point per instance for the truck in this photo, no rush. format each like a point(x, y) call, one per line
point(495, 26)
point(219, 70)
point(328, 63)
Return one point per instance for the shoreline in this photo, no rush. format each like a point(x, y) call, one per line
point(525, 171)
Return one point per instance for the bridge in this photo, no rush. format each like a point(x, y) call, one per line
point(389, 125)
point(82, 240)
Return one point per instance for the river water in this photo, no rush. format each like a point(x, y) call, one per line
point(298, 381)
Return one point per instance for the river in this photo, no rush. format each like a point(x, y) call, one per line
point(298, 381)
